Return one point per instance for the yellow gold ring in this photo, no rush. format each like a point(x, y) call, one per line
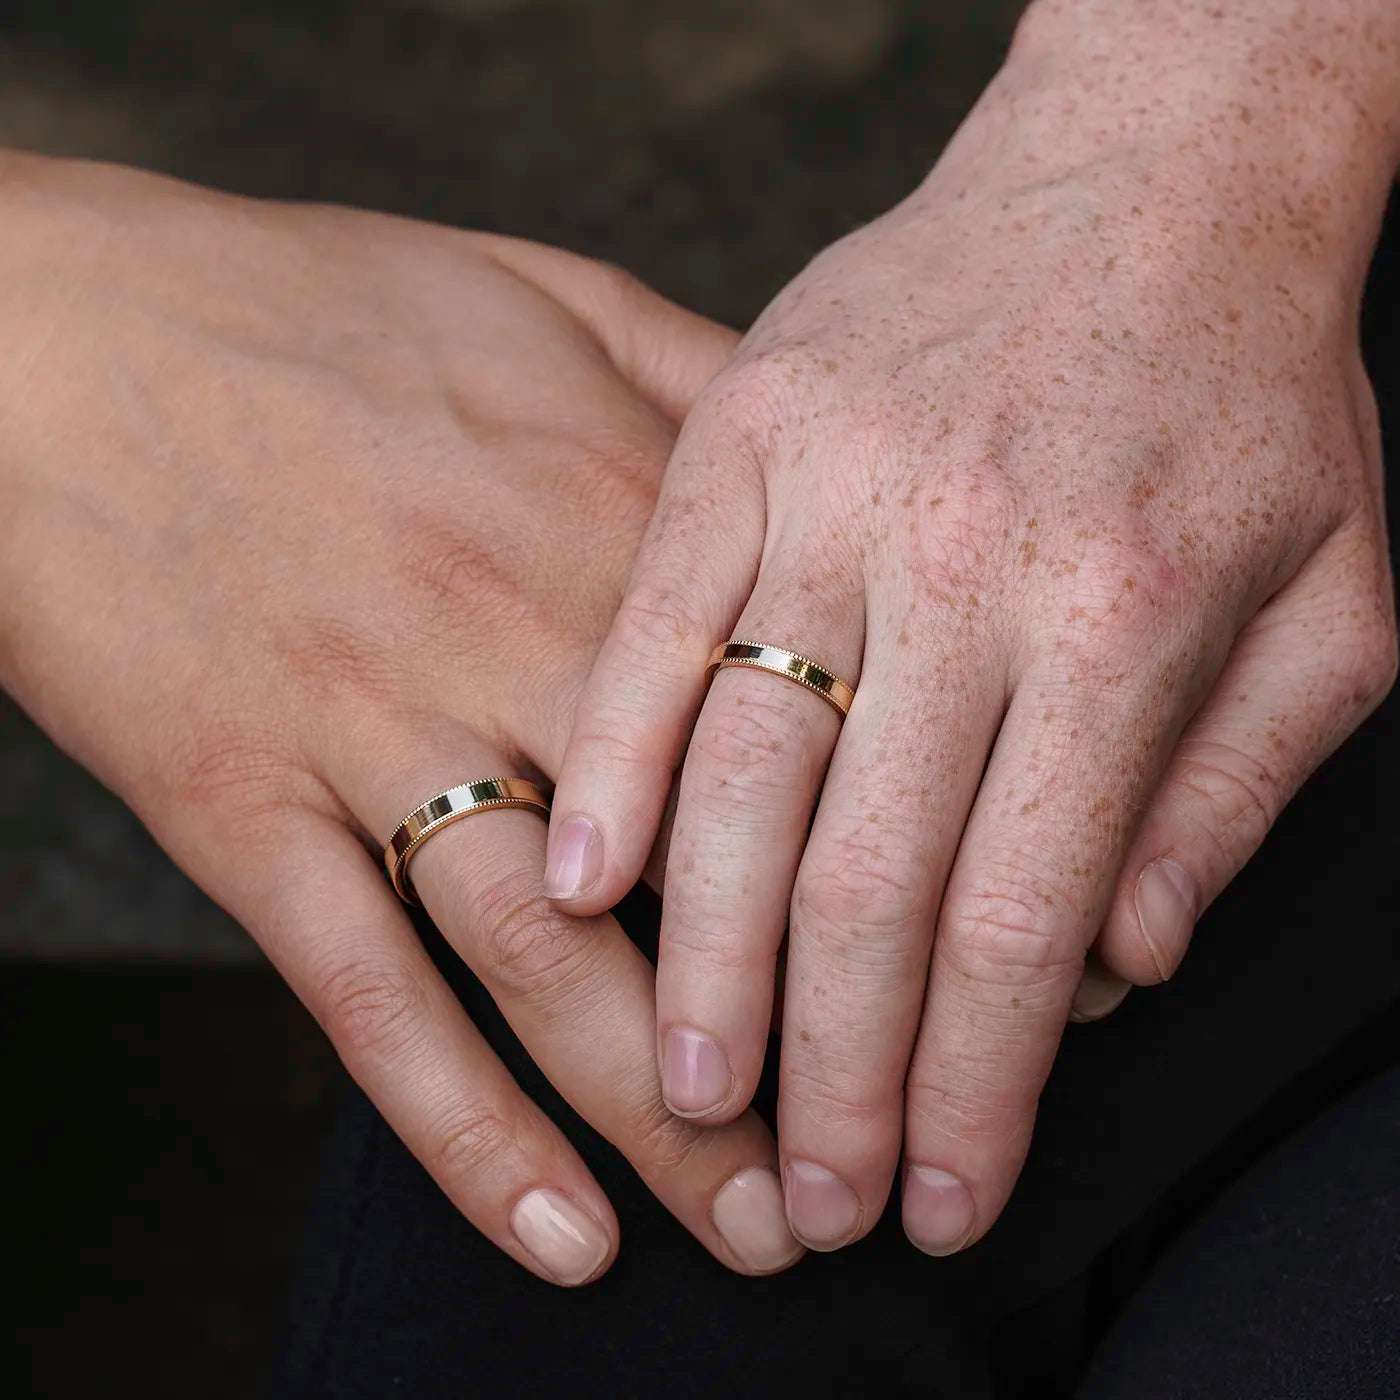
point(479, 795)
point(789, 665)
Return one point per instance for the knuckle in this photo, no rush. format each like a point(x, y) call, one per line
point(468, 1142)
point(1013, 928)
point(860, 884)
point(371, 1008)
point(527, 948)
point(1131, 581)
point(1129, 605)
point(660, 613)
point(963, 532)
point(1242, 795)
point(750, 398)
point(760, 730)
point(713, 945)
point(972, 1103)
point(748, 758)
point(821, 1091)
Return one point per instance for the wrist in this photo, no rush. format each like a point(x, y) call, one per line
point(1274, 121)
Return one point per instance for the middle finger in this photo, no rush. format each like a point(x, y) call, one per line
point(864, 909)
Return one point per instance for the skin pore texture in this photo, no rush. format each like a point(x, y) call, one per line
point(1071, 461)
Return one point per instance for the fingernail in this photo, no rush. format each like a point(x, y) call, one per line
point(937, 1210)
point(823, 1211)
point(565, 1241)
point(695, 1074)
point(748, 1213)
point(1098, 993)
point(575, 859)
point(1166, 902)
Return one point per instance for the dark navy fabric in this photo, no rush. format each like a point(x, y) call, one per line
point(1289, 1288)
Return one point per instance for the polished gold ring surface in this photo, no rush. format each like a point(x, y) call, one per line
point(788, 664)
point(479, 795)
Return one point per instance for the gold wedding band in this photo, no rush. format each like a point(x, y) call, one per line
point(480, 795)
point(789, 665)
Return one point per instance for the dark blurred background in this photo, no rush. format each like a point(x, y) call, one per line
point(171, 1096)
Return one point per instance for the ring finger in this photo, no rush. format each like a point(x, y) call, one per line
point(752, 774)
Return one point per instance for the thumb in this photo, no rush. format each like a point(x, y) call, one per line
point(668, 353)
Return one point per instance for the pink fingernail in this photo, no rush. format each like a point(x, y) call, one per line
point(695, 1074)
point(937, 1210)
point(575, 859)
point(823, 1211)
point(1166, 902)
point(562, 1238)
point(748, 1213)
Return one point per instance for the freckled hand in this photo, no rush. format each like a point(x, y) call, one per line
point(1068, 466)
